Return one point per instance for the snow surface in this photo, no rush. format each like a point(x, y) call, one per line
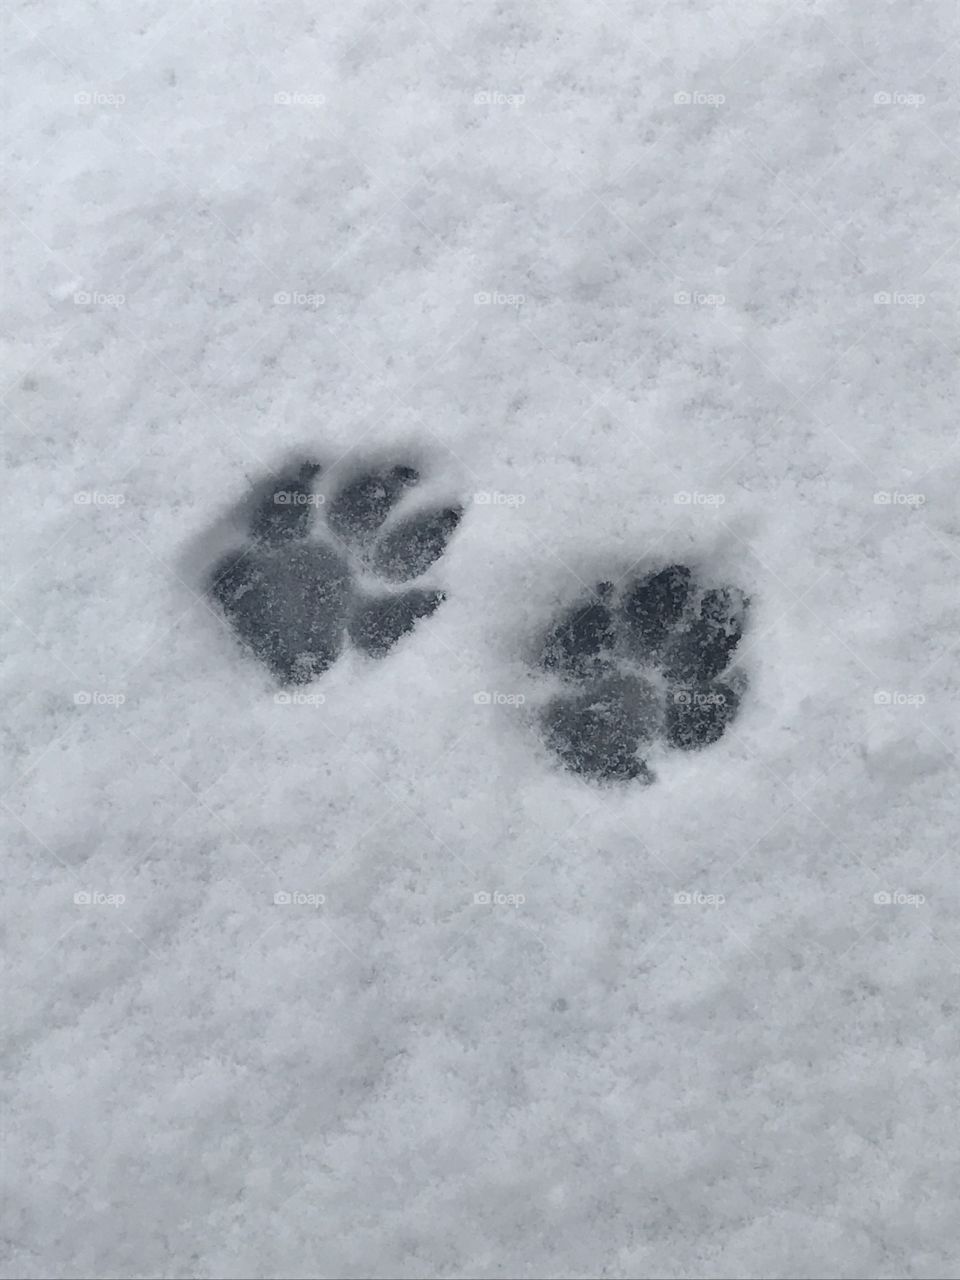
point(400, 1081)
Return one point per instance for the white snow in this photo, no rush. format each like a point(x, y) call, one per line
point(400, 1081)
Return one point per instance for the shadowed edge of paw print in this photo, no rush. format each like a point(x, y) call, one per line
point(640, 666)
point(598, 732)
point(377, 622)
point(292, 592)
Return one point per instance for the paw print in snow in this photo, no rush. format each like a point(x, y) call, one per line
point(294, 598)
point(643, 666)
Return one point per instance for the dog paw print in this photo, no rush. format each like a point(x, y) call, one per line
point(644, 667)
point(302, 587)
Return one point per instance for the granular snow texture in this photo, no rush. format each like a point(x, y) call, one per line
point(355, 979)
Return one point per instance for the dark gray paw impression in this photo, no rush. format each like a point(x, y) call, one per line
point(599, 732)
point(293, 599)
point(378, 622)
point(643, 668)
point(654, 605)
point(356, 513)
point(703, 648)
point(288, 604)
point(410, 548)
point(581, 642)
